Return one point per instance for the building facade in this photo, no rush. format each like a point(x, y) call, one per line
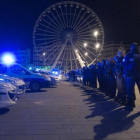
point(23, 57)
point(110, 50)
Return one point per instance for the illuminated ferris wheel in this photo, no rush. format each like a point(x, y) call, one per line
point(69, 35)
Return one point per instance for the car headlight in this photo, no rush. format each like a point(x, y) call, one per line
point(20, 82)
point(7, 86)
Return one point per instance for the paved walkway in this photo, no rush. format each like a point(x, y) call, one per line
point(69, 112)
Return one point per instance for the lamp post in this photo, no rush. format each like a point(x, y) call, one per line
point(97, 44)
point(44, 57)
point(96, 35)
point(85, 44)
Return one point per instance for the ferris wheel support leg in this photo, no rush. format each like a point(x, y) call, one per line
point(78, 56)
point(59, 55)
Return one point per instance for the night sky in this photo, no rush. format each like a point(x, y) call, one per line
point(120, 19)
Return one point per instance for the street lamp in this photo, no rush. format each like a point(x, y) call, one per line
point(44, 54)
point(44, 57)
point(97, 46)
point(86, 54)
point(85, 44)
point(96, 34)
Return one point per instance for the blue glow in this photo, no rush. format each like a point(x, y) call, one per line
point(55, 72)
point(30, 68)
point(8, 58)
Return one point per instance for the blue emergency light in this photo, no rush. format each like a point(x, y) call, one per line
point(8, 58)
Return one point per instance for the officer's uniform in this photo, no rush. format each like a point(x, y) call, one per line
point(94, 76)
point(103, 76)
point(85, 76)
point(99, 75)
point(112, 81)
point(132, 73)
point(118, 72)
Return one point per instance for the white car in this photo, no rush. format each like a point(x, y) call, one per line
point(7, 95)
point(20, 84)
point(56, 77)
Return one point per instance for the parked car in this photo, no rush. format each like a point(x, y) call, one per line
point(56, 77)
point(34, 81)
point(53, 80)
point(20, 84)
point(7, 95)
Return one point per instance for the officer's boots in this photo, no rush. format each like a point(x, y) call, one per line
point(130, 106)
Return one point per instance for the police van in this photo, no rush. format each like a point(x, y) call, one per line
point(33, 81)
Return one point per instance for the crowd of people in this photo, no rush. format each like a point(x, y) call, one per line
point(116, 76)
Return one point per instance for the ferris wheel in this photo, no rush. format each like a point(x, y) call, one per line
point(69, 35)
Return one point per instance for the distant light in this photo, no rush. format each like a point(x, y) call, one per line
point(76, 50)
point(44, 54)
point(97, 45)
point(56, 73)
point(30, 68)
point(8, 58)
point(86, 54)
point(85, 44)
point(96, 33)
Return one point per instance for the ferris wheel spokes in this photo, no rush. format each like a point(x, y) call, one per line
point(59, 55)
point(61, 26)
point(49, 23)
point(84, 22)
point(85, 29)
point(53, 21)
point(81, 53)
point(60, 19)
point(80, 20)
point(77, 54)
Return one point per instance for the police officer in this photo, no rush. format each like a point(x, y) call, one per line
point(111, 78)
point(94, 76)
point(118, 73)
point(85, 75)
point(106, 78)
point(90, 76)
point(103, 75)
point(99, 75)
point(132, 73)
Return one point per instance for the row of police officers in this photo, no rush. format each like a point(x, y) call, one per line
point(116, 74)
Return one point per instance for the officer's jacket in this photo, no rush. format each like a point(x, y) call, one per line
point(99, 71)
point(118, 68)
point(131, 62)
point(110, 70)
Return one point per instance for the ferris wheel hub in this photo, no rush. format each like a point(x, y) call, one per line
point(68, 34)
